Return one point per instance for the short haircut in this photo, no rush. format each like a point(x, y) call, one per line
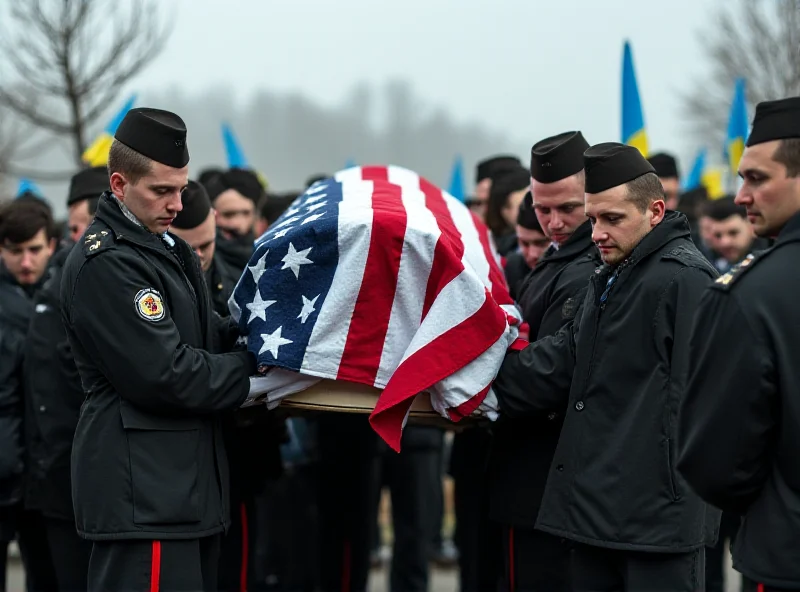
point(723, 208)
point(644, 190)
point(502, 186)
point(127, 162)
point(788, 154)
point(21, 220)
point(273, 205)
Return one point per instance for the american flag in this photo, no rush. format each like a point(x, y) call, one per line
point(376, 276)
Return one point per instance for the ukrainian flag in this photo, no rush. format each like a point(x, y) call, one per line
point(633, 130)
point(457, 180)
point(351, 162)
point(235, 155)
point(97, 152)
point(702, 175)
point(28, 186)
point(738, 126)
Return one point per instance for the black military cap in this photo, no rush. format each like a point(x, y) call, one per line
point(527, 215)
point(775, 120)
point(611, 164)
point(87, 184)
point(243, 181)
point(491, 167)
point(665, 165)
point(196, 206)
point(558, 157)
point(158, 135)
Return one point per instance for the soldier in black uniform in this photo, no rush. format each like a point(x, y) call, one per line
point(523, 449)
point(149, 470)
point(53, 398)
point(532, 243)
point(619, 372)
point(740, 420)
point(485, 173)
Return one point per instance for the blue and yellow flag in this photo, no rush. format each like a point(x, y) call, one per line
point(233, 151)
point(457, 180)
point(702, 175)
point(738, 126)
point(633, 130)
point(97, 152)
point(28, 186)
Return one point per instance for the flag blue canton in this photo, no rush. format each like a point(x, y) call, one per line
point(285, 285)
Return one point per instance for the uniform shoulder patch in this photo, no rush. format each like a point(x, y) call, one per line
point(726, 280)
point(569, 308)
point(96, 240)
point(149, 304)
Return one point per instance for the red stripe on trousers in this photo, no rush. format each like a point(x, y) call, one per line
point(511, 585)
point(155, 567)
point(760, 588)
point(449, 248)
point(346, 567)
point(370, 322)
point(245, 548)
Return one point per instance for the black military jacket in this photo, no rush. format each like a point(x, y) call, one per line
point(740, 420)
point(148, 460)
point(221, 279)
point(522, 449)
point(622, 367)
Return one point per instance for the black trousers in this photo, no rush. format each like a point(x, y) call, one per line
point(70, 555)
point(534, 561)
point(236, 561)
point(412, 477)
point(136, 565)
point(594, 569)
point(28, 527)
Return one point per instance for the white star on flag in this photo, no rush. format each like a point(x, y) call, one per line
point(311, 218)
point(288, 221)
point(272, 342)
point(292, 211)
point(281, 233)
point(258, 307)
point(258, 269)
point(308, 308)
point(294, 259)
point(317, 188)
point(314, 198)
point(316, 206)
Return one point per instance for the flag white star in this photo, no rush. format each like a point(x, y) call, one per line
point(316, 188)
point(314, 198)
point(308, 308)
point(311, 218)
point(258, 307)
point(294, 259)
point(258, 269)
point(281, 233)
point(272, 342)
point(316, 206)
point(288, 221)
point(292, 211)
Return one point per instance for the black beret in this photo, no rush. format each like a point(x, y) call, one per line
point(158, 135)
point(494, 166)
point(508, 182)
point(558, 157)
point(87, 183)
point(243, 181)
point(527, 214)
point(665, 165)
point(776, 120)
point(196, 206)
point(207, 174)
point(612, 164)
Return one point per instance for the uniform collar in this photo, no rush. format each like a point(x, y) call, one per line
point(790, 231)
point(574, 245)
point(125, 224)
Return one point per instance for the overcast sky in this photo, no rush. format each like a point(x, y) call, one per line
point(528, 68)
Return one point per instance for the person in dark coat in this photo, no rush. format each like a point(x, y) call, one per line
point(740, 420)
point(149, 467)
point(27, 242)
point(618, 371)
point(666, 167)
point(506, 195)
point(53, 398)
point(486, 171)
point(532, 243)
point(523, 449)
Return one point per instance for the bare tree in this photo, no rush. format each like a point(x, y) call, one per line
point(758, 40)
point(69, 60)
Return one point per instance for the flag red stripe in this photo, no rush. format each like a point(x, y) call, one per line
point(469, 406)
point(449, 352)
point(370, 321)
point(496, 276)
point(449, 247)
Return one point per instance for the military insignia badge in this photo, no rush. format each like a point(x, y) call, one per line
point(569, 308)
point(149, 305)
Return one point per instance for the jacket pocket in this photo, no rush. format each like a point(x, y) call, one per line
point(163, 467)
point(667, 462)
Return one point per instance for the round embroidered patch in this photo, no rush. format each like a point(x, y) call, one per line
point(149, 305)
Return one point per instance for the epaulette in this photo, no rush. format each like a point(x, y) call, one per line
point(96, 241)
point(726, 280)
point(689, 256)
